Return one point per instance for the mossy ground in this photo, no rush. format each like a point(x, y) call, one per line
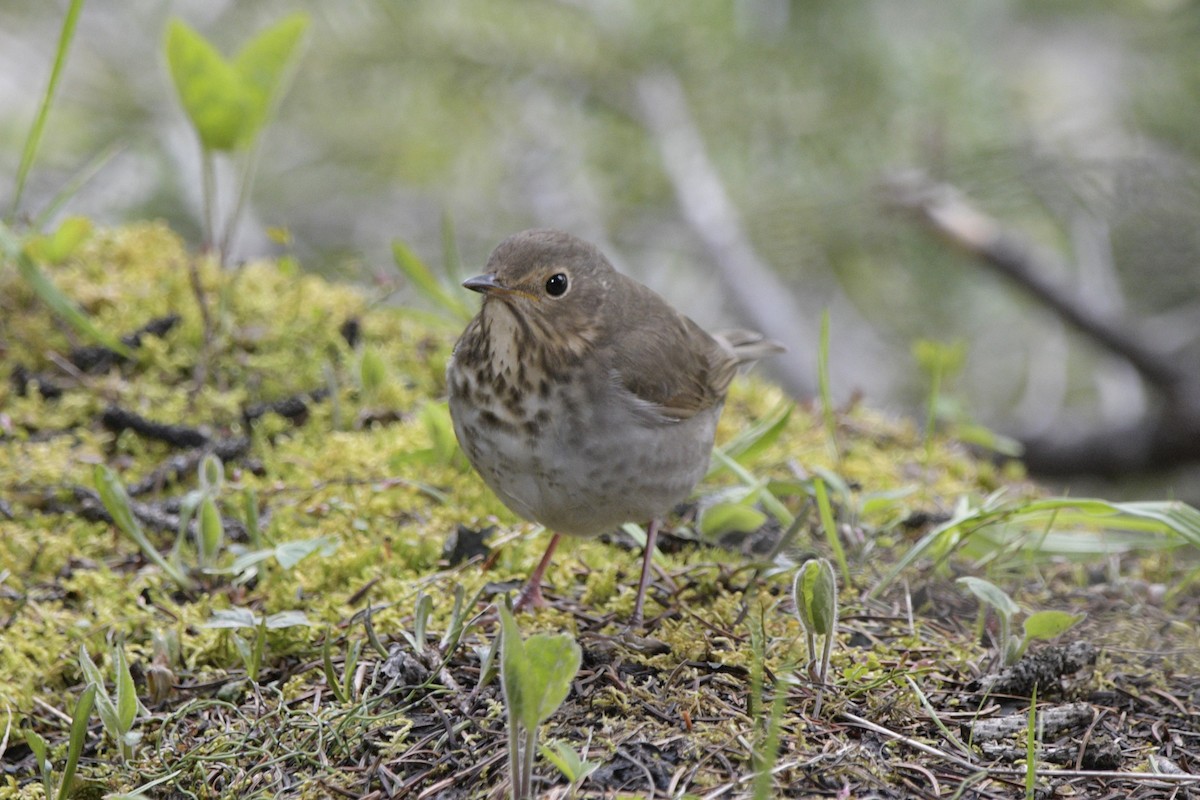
point(367, 472)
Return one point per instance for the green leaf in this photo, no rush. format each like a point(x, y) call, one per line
point(512, 667)
point(104, 704)
point(127, 699)
point(944, 358)
point(722, 518)
point(427, 283)
point(289, 554)
point(34, 138)
point(815, 594)
point(116, 503)
point(825, 512)
point(52, 296)
point(212, 530)
point(211, 474)
point(553, 661)
point(233, 618)
point(79, 728)
point(40, 750)
point(216, 99)
point(568, 761)
point(57, 247)
point(990, 593)
point(1049, 624)
point(751, 441)
point(287, 619)
point(263, 65)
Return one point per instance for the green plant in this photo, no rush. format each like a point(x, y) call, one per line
point(229, 103)
point(942, 361)
point(28, 252)
point(252, 653)
point(535, 676)
point(116, 503)
point(828, 412)
point(210, 528)
point(61, 786)
point(825, 510)
point(1081, 528)
point(344, 687)
point(1038, 625)
point(1032, 735)
point(34, 138)
point(767, 724)
point(570, 763)
point(119, 711)
point(427, 283)
point(814, 592)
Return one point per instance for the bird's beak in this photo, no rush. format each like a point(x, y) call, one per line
point(488, 285)
point(484, 284)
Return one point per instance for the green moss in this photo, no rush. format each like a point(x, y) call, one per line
point(380, 493)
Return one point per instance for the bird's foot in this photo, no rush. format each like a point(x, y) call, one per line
point(530, 597)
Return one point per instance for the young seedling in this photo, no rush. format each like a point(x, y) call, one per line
point(815, 594)
point(768, 724)
point(229, 102)
point(116, 503)
point(253, 652)
point(1038, 625)
point(535, 676)
point(60, 786)
point(119, 711)
point(828, 412)
point(569, 762)
point(344, 689)
point(210, 528)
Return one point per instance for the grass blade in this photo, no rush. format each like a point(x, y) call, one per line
point(34, 139)
point(79, 726)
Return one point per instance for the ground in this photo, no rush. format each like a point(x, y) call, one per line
point(344, 502)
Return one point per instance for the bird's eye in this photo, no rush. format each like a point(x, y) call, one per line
point(556, 284)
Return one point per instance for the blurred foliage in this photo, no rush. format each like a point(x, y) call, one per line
point(1072, 122)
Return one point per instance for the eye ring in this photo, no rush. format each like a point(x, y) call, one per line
point(557, 284)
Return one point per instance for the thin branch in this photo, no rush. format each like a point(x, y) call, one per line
point(753, 285)
point(949, 213)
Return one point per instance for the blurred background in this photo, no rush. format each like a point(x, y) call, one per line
point(735, 155)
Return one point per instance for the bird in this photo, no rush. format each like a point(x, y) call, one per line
point(582, 398)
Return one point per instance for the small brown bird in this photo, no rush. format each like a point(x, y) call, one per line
point(582, 398)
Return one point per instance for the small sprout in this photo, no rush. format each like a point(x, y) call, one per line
point(116, 503)
point(344, 688)
point(427, 284)
point(211, 532)
point(250, 517)
point(420, 620)
point(119, 711)
point(211, 475)
point(1040, 625)
point(535, 676)
point(723, 518)
point(228, 102)
point(252, 652)
point(815, 594)
point(54, 786)
point(572, 765)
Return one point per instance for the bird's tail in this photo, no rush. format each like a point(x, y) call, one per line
point(748, 346)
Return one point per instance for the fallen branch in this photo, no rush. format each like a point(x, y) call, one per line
point(1166, 437)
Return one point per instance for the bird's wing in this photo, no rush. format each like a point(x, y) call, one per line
point(669, 363)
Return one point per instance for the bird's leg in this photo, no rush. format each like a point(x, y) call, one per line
point(531, 595)
point(647, 561)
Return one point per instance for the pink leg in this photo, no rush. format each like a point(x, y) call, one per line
point(531, 595)
point(647, 560)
